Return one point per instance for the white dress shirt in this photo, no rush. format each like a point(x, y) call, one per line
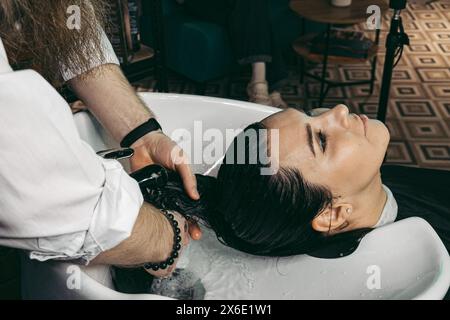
point(59, 200)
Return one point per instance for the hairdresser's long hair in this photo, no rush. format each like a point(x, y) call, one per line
point(36, 35)
point(254, 213)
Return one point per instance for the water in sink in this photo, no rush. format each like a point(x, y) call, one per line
point(182, 285)
point(208, 270)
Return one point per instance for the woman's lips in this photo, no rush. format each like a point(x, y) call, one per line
point(365, 121)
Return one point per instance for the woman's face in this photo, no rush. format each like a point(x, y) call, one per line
point(333, 148)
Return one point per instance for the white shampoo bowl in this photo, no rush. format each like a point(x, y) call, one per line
point(405, 260)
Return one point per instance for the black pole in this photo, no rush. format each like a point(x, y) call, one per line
point(159, 45)
point(391, 47)
point(395, 41)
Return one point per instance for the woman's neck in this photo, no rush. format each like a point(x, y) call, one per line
point(369, 205)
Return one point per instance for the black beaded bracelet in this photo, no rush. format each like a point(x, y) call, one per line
point(176, 246)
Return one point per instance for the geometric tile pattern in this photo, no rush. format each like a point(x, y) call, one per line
point(434, 74)
point(419, 113)
point(400, 153)
point(418, 129)
point(415, 108)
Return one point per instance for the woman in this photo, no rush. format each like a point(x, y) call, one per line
point(329, 183)
point(253, 41)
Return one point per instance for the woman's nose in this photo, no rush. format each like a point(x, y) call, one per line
point(340, 114)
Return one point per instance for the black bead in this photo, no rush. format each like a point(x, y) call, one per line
point(174, 255)
point(170, 216)
point(177, 231)
point(163, 266)
point(170, 261)
point(174, 223)
point(178, 239)
point(155, 267)
point(177, 246)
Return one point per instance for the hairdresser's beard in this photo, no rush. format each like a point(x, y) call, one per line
point(36, 35)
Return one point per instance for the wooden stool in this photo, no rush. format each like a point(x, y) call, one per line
point(323, 12)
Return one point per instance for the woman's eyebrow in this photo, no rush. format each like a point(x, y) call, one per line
point(309, 134)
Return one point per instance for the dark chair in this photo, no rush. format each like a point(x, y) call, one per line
point(201, 51)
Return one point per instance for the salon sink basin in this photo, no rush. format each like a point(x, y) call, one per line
point(404, 260)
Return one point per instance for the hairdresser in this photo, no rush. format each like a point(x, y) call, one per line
point(60, 201)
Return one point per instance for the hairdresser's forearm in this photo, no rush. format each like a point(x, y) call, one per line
point(150, 241)
point(110, 97)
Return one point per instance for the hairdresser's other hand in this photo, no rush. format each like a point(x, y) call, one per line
point(157, 148)
point(194, 230)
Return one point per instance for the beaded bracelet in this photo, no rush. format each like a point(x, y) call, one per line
point(176, 246)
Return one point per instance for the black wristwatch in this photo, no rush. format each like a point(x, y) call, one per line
point(150, 126)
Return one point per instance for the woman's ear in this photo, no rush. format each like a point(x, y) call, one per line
point(333, 219)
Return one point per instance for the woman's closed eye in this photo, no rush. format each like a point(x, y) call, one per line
point(322, 138)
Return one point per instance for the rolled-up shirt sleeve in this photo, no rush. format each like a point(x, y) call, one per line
point(59, 199)
point(112, 221)
point(106, 56)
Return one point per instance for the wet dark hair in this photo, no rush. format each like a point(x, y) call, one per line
point(268, 215)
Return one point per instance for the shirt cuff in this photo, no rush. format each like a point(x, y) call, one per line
point(109, 55)
point(112, 222)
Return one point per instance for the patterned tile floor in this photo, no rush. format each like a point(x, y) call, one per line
point(419, 110)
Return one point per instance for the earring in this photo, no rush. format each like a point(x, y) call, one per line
point(349, 210)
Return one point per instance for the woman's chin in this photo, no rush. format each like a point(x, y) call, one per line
point(386, 134)
point(378, 134)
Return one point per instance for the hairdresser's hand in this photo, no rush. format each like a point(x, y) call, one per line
point(157, 148)
point(167, 248)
